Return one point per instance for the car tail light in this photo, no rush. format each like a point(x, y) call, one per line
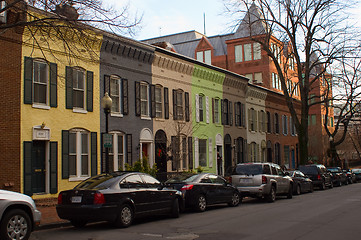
point(99, 198)
point(319, 177)
point(264, 180)
point(187, 187)
point(60, 198)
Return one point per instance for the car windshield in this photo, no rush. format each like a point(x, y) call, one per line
point(182, 178)
point(251, 169)
point(333, 170)
point(102, 181)
point(356, 170)
point(308, 169)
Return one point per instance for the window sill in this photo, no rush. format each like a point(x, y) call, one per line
point(77, 179)
point(119, 115)
point(159, 119)
point(41, 106)
point(146, 118)
point(78, 110)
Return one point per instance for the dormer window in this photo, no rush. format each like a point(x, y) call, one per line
point(205, 56)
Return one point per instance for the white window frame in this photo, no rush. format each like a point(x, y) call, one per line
point(115, 151)
point(216, 110)
point(144, 99)
point(158, 104)
point(180, 104)
point(78, 154)
point(238, 53)
point(75, 74)
point(200, 56)
point(247, 52)
point(201, 107)
point(38, 61)
point(119, 96)
point(208, 57)
point(257, 51)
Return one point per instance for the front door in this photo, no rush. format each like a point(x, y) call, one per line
point(219, 160)
point(38, 166)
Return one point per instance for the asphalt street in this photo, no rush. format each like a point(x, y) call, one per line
point(329, 214)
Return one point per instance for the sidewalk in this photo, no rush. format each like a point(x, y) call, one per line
point(49, 217)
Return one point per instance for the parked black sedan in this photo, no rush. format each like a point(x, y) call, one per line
point(302, 183)
point(357, 172)
point(202, 190)
point(338, 176)
point(118, 197)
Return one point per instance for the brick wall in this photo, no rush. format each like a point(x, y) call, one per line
point(10, 100)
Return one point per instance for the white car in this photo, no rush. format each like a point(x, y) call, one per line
point(18, 215)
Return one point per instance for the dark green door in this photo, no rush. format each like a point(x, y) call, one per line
point(38, 167)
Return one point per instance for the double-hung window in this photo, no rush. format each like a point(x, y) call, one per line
point(41, 75)
point(79, 160)
point(203, 152)
point(216, 110)
point(204, 56)
point(179, 105)
point(115, 94)
point(78, 88)
point(117, 151)
point(158, 102)
point(200, 102)
point(144, 96)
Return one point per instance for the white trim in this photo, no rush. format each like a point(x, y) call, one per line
point(196, 153)
point(41, 106)
point(79, 110)
point(210, 152)
point(207, 109)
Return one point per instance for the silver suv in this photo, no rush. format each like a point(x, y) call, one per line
point(262, 180)
point(18, 215)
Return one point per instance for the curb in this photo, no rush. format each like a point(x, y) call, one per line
point(52, 225)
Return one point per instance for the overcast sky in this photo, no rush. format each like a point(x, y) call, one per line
point(164, 17)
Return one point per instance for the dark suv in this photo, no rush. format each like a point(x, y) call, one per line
point(318, 174)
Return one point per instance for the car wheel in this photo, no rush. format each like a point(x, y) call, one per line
point(323, 186)
point(201, 203)
point(339, 184)
point(235, 200)
point(175, 209)
point(290, 191)
point(298, 189)
point(125, 217)
point(346, 182)
point(331, 184)
point(271, 197)
point(16, 224)
point(78, 223)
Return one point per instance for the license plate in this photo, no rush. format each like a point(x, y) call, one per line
point(245, 180)
point(76, 199)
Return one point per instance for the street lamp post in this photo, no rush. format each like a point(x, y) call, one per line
point(106, 103)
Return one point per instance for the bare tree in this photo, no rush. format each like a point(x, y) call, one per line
point(346, 79)
point(313, 34)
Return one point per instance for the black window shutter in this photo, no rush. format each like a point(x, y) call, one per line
point(69, 87)
point(53, 85)
point(129, 149)
point(174, 152)
point(125, 96)
point(230, 112)
point(236, 114)
point(174, 105)
point(190, 153)
point(186, 96)
point(28, 80)
point(107, 84)
point(152, 100)
point(243, 112)
point(94, 153)
point(89, 87)
point(166, 103)
point(65, 154)
point(53, 167)
point(28, 145)
point(137, 98)
point(223, 119)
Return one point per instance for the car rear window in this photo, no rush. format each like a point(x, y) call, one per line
point(308, 169)
point(251, 169)
point(334, 170)
point(103, 181)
